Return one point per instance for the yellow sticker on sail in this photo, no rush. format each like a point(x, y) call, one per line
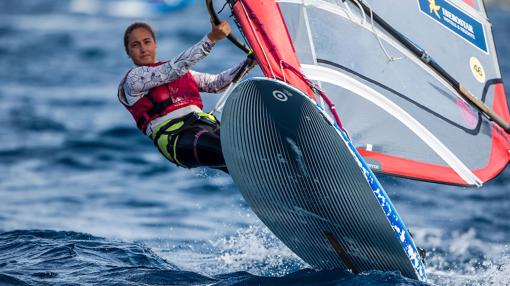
point(477, 69)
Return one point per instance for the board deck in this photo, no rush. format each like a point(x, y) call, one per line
point(303, 178)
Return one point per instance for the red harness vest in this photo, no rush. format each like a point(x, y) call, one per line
point(164, 99)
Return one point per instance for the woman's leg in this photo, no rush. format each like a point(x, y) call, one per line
point(200, 146)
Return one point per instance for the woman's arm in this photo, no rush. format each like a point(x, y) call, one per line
point(140, 79)
point(215, 83)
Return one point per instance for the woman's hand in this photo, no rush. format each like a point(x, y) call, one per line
point(219, 32)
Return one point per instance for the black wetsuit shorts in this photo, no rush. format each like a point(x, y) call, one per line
point(191, 141)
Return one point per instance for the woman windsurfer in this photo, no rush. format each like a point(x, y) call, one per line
point(164, 98)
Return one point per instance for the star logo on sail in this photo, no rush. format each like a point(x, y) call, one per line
point(434, 8)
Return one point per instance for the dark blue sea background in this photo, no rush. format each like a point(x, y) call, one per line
point(85, 198)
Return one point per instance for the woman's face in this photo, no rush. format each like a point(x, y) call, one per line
point(142, 47)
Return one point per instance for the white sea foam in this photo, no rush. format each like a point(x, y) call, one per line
point(462, 258)
point(256, 250)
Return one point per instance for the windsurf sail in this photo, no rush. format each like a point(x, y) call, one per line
point(405, 116)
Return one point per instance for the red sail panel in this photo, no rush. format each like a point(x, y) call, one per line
point(413, 169)
point(500, 155)
point(264, 28)
point(500, 105)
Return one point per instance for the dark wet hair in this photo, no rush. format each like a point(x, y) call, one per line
point(134, 26)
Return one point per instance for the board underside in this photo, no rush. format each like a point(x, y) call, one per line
point(303, 181)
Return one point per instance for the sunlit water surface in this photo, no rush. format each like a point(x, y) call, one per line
point(86, 199)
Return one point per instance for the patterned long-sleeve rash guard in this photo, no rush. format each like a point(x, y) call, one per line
point(141, 79)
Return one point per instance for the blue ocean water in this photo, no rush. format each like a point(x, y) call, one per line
point(85, 199)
